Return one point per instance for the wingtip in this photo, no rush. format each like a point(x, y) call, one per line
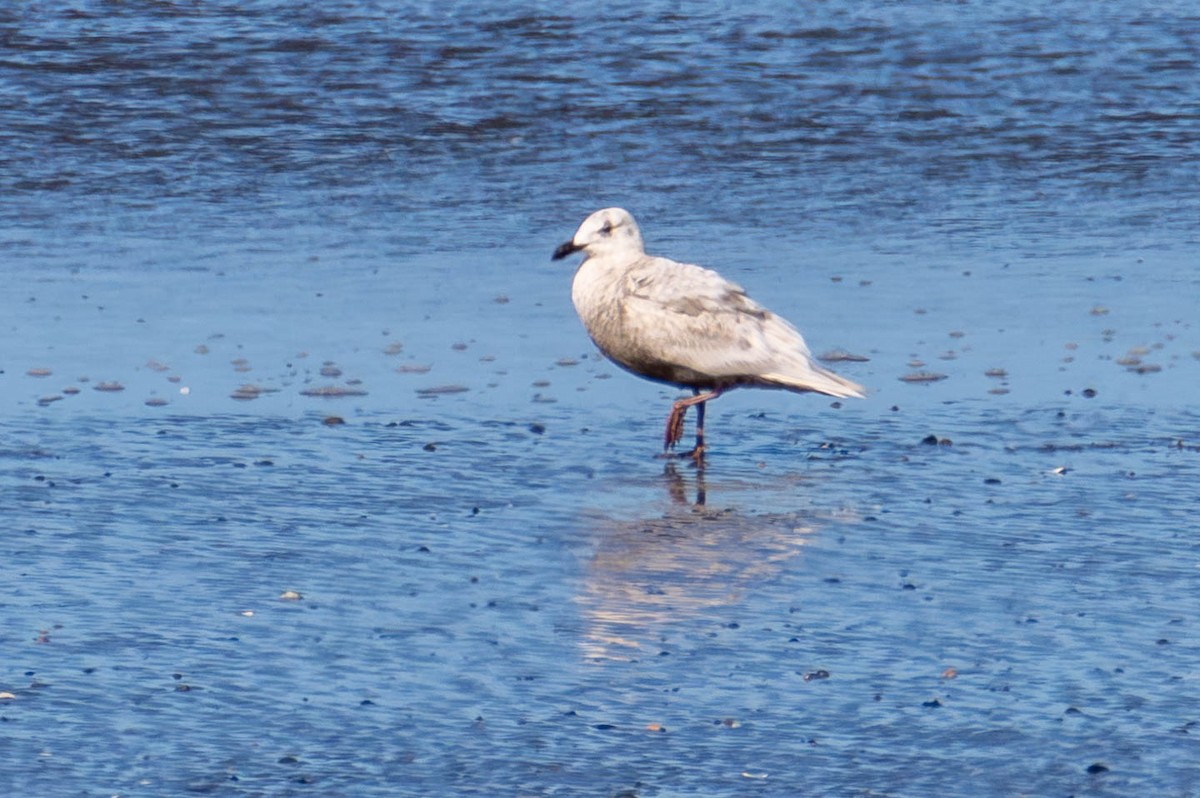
point(822, 381)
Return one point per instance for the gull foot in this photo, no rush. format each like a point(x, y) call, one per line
point(674, 430)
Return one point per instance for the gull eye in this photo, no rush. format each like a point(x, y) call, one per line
point(606, 229)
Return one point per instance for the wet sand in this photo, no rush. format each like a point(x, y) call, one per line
point(490, 559)
point(315, 485)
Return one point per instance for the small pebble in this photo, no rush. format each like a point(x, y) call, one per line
point(842, 356)
point(438, 390)
point(922, 376)
point(246, 393)
point(333, 392)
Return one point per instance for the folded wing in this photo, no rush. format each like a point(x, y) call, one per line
point(692, 317)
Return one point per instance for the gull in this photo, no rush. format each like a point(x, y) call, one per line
point(684, 325)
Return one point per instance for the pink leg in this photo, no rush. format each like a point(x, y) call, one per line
point(674, 431)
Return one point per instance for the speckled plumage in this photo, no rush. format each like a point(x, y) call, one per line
point(683, 324)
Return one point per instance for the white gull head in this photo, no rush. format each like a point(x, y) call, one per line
point(606, 233)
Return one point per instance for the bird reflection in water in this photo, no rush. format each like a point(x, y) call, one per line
point(649, 579)
point(677, 487)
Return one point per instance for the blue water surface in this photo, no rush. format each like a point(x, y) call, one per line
point(316, 486)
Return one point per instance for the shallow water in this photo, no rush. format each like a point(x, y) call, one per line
point(981, 584)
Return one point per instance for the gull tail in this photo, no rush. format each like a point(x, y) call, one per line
point(816, 379)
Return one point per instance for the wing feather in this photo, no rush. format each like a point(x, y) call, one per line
point(695, 318)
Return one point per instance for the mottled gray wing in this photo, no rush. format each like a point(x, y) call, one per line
point(694, 317)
